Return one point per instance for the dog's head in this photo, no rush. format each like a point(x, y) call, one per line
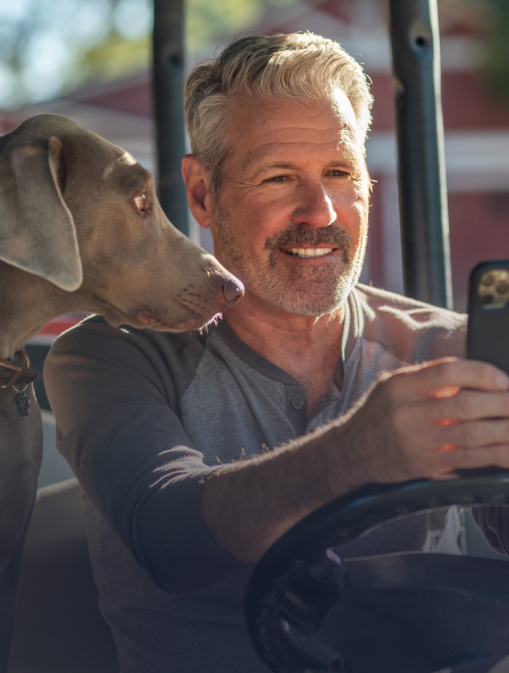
point(83, 215)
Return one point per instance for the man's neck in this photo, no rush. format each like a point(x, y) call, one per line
point(306, 348)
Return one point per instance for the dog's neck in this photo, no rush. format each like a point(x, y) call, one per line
point(27, 303)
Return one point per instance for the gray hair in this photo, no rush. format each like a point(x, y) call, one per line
point(301, 67)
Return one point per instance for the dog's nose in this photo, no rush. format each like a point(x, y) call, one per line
point(233, 290)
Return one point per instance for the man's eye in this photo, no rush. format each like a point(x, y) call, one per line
point(339, 174)
point(141, 202)
point(277, 178)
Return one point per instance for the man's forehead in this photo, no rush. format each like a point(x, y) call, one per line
point(258, 131)
point(337, 150)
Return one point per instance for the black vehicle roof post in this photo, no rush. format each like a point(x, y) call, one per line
point(422, 183)
point(167, 92)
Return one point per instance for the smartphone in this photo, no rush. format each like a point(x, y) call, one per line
point(488, 313)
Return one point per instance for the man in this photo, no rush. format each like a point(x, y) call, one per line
point(198, 451)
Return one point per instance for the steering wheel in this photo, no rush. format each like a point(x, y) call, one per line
point(308, 610)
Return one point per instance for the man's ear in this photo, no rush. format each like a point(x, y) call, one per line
point(200, 195)
point(37, 231)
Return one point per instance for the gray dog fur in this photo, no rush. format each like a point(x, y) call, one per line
point(73, 239)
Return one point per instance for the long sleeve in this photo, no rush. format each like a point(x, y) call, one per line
point(115, 396)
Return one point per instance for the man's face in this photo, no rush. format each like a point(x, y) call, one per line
point(291, 215)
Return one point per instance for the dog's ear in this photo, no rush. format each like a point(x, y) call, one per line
point(37, 232)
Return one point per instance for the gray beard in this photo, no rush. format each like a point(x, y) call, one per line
point(309, 292)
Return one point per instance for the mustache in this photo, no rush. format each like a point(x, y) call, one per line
point(302, 234)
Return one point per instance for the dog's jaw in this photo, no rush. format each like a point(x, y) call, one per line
point(162, 325)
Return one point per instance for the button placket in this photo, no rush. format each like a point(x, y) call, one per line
point(297, 402)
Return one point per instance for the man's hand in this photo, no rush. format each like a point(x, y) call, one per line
point(428, 420)
point(421, 421)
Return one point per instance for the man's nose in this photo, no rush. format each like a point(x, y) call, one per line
point(314, 206)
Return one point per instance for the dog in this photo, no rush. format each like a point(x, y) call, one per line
point(81, 229)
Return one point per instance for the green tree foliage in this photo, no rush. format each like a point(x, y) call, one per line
point(208, 21)
point(48, 47)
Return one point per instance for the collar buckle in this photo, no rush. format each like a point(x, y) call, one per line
point(10, 373)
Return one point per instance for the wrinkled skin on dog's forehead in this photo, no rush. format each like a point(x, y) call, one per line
point(112, 166)
point(79, 144)
point(125, 174)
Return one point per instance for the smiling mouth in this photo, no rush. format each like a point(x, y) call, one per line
point(307, 252)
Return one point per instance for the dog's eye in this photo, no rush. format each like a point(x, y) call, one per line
point(141, 202)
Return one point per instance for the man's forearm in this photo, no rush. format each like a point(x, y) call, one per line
point(248, 505)
point(421, 421)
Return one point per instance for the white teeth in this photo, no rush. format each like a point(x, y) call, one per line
point(309, 252)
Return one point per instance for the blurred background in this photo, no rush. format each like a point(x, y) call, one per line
point(91, 59)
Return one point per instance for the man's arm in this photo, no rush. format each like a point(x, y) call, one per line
point(116, 407)
point(190, 524)
point(421, 421)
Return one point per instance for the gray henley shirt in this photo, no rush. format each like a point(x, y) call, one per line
point(143, 418)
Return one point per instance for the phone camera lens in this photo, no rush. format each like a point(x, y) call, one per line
point(487, 299)
point(488, 280)
point(502, 287)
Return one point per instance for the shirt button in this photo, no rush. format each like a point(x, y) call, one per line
point(297, 402)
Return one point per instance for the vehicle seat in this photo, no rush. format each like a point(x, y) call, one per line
point(59, 627)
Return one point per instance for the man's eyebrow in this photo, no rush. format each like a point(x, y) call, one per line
point(271, 166)
point(336, 163)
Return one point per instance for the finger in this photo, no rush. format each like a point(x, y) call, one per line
point(447, 392)
point(432, 377)
point(466, 458)
point(467, 405)
point(446, 447)
point(472, 434)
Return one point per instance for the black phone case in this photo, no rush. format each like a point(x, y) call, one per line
point(488, 327)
